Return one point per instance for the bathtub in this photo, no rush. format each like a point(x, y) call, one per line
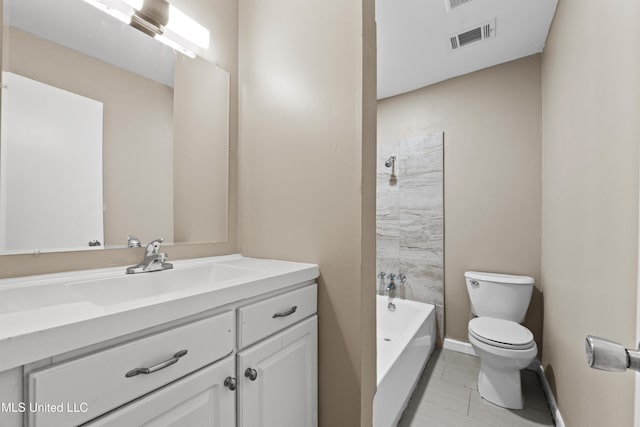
point(405, 339)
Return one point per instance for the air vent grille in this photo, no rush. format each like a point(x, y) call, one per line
point(452, 4)
point(486, 31)
point(472, 36)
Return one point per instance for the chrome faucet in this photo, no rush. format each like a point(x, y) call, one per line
point(133, 242)
point(392, 285)
point(392, 277)
point(153, 259)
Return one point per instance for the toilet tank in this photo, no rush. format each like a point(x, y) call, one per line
point(503, 296)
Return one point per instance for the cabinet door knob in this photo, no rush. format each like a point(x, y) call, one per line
point(252, 374)
point(230, 383)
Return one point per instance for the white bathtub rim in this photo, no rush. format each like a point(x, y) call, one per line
point(397, 385)
point(401, 342)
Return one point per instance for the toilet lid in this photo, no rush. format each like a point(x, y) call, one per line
point(500, 333)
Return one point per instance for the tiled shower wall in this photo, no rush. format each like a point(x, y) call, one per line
point(410, 218)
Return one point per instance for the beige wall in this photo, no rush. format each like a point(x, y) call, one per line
point(205, 130)
point(492, 131)
point(307, 172)
point(224, 25)
point(591, 132)
point(200, 151)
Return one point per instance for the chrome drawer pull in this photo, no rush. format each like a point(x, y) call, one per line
point(286, 313)
point(155, 368)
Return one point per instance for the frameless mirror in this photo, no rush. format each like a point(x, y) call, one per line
point(106, 132)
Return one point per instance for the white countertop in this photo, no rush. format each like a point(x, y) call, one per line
point(45, 315)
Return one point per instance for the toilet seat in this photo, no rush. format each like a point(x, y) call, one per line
point(501, 333)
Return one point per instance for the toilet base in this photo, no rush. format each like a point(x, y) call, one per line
point(500, 387)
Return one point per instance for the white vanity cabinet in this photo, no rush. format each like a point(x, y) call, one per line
point(277, 376)
point(248, 363)
point(199, 400)
point(278, 379)
point(92, 385)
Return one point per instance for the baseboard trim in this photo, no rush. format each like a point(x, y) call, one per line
point(553, 405)
point(459, 346)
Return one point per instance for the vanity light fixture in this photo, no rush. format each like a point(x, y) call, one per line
point(160, 20)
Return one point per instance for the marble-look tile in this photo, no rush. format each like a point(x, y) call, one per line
point(428, 162)
point(410, 235)
point(530, 391)
point(424, 290)
point(387, 247)
point(421, 163)
point(388, 229)
point(440, 320)
point(461, 359)
point(420, 181)
point(435, 366)
point(490, 414)
point(388, 206)
point(422, 233)
point(387, 265)
point(421, 263)
point(386, 182)
point(461, 374)
point(426, 202)
point(438, 401)
point(442, 393)
point(431, 415)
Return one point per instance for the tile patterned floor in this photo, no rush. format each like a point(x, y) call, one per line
point(447, 396)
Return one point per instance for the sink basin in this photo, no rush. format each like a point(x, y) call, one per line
point(133, 287)
point(38, 298)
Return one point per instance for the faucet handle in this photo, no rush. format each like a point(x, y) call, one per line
point(153, 247)
point(392, 276)
point(402, 277)
point(382, 275)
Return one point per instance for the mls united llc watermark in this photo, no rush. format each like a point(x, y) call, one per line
point(21, 407)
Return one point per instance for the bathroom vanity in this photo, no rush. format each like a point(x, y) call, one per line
point(223, 341)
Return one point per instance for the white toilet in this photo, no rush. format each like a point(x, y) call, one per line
point(504, 346)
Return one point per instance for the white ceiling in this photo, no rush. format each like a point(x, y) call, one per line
point(413, 39)
point(80, 26)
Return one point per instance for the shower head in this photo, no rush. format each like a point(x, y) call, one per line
point(390, 161)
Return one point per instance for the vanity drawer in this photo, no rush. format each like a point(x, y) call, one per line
point(259, 320)
point(98, 383)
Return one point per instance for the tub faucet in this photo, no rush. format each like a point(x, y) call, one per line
point(392, 285)
point(153, 260)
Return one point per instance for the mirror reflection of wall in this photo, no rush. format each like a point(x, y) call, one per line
point(51, 167)
point(155, 121)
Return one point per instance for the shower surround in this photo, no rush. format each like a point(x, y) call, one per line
point(410, 218)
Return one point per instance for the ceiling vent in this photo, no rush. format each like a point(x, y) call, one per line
point(452, 4)
point(474, 35)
